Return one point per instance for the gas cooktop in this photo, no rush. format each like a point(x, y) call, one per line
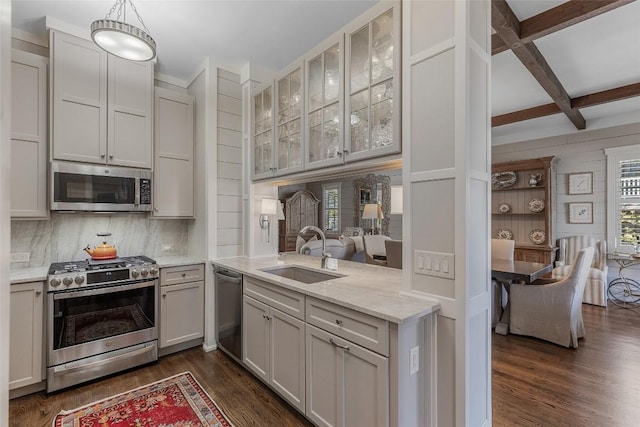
point(105, 264)
point(65, 276)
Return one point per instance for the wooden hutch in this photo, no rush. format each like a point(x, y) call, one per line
point(522, 207)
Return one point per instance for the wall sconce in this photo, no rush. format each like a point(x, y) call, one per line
point(269, 207)
point(372, 211)
point(396, 199)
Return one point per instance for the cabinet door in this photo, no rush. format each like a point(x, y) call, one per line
point(366, 387)
point(26, 351)
point(255, 337)
point(287, 357)
point(28, 136)
point(324, 379)
point(130, 113)
point(346, 384)
point(79, 99)
point(372, 101)
point(181, 313)
point(173, 153)
point(289, 151)
point(324, 108)
point(262, 133)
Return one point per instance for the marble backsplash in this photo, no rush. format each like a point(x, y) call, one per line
point(64, 236)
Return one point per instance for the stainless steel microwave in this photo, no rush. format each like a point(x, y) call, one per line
point(82, 187)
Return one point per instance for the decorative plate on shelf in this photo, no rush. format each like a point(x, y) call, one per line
point(536, 205)
point(537, 236)
point(504, 179)
point(504, 208)
point(505, 234)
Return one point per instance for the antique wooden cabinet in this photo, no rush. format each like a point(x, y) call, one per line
point(522, 207)
point(300, 210)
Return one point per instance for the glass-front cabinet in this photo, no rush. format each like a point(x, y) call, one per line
point(372, 84)
point(262, 133)
point(324, 70)
point(289, 143)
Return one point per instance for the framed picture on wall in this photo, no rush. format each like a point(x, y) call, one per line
point(581, 213)
point(581, 183)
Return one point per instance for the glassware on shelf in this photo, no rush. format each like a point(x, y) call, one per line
point(359, 61)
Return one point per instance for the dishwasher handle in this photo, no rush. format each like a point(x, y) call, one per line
point(229, 275)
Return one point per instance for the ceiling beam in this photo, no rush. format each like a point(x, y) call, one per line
point(558, 18)
point(507, 26)
point(590, 100)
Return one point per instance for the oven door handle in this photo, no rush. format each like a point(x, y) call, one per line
point(87, 366)
point(101, 291)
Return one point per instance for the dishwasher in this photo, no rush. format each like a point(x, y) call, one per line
point(229, 312)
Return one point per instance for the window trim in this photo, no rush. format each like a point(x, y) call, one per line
point(614, 156)
point(325, 187)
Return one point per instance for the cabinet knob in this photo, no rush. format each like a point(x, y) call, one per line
point(102, 156)
point(346, 151)
point(339, 153)
point(38, 292)
point(111, 156)
point(184, 274)
point(338, 322)
point(164, 295)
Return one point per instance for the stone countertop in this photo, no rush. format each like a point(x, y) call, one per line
point(176, 261)
point(28, 274)
point(366, 288)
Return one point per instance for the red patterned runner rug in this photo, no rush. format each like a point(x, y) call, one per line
point(177, 401)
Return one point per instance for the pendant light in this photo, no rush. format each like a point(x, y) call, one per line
point(122, 39)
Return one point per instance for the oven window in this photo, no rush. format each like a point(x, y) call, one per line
point(83, 319)
point(76, 188)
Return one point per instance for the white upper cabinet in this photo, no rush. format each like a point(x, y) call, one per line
point(372, 84)
point(101, 105)
point(289, 148)
point(262, 133)
point(173, 168)
point(28, 135)
point(129, 112)
point(324, 107)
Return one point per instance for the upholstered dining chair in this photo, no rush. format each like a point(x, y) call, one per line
point(394, 253)
point(595, 291)
point(500, 249)
point(552, 311)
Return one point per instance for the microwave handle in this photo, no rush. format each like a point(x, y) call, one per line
point(137, 189)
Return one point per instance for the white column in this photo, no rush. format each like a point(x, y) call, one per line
point(5, 194)
point(446, 170)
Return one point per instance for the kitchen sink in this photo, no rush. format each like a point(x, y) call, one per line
point(302, 274)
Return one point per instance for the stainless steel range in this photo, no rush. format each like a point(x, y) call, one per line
point(102, 317)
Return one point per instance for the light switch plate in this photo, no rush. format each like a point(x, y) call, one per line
point(437, 264)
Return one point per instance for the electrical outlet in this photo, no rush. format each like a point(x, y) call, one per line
point(20, 256)
point(414, 361)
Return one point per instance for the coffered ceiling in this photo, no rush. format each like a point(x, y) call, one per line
point(588, 57)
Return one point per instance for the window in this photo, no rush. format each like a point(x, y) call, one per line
point(623, 198)
point(331, 207)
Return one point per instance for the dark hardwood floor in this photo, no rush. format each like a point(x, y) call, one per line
point(245, 400)
point(535, 383)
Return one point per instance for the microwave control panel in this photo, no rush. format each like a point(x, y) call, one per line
point(145, 191)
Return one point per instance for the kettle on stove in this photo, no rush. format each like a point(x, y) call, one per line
point(105, 250)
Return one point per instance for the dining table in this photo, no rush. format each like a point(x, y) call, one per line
point(507, 271)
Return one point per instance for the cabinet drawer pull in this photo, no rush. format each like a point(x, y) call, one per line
point(335, 344)
point(184, 274)
point(338, 322)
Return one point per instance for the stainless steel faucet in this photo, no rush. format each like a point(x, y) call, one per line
point(325, 254)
